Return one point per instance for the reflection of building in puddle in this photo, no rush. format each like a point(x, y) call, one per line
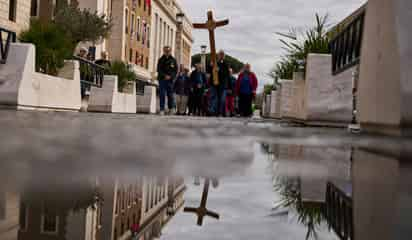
point(9, 215)
point(382, 194)
point(112, 210)
point(202, 210)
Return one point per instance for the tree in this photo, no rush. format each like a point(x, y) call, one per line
point(124, 74)
point(234, 63)
point(82, 25)
point(313, 40)
point(53, 45)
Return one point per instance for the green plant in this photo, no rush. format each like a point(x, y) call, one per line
point(313, 40)
point(52, 45)
point(310, 214)
point(124, 74)
point(267, 89)
point(82, 25)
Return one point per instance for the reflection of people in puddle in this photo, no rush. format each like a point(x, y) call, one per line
point(202, 211)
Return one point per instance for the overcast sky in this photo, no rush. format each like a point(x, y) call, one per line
point(250, 35)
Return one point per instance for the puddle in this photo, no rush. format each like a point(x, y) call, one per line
point(95, 176)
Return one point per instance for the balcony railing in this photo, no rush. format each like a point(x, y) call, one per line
point(346, 46)
point(6, 38)
point(339, 212)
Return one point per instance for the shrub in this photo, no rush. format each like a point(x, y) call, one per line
point(124, 74)
point(53, 45)
point(82, 25)
point(313, 40)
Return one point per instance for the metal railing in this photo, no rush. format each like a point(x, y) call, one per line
point(91, 73)
point(5, 43)
point(346, 46)
point(339, 212)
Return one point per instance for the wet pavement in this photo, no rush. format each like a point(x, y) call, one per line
point(104, 176)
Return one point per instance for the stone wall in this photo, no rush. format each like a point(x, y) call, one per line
point(22, 15)
point(109, 99)
point(23, 88)
point(385, 89)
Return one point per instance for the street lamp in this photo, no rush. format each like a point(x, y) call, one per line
point(203, 57)
point(203, 49)
point(179, 18)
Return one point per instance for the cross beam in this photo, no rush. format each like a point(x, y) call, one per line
point(211, 25)
point(202, 211)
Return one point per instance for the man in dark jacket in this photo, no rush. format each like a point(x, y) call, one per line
point(218, 93)
point(166, 73)
point(198, 83)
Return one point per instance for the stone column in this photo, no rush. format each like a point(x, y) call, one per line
point(385, 86)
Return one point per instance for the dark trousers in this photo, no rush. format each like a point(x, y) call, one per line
point(196, 102)
point(245, 105)
point(217, 100)
point(166, 88)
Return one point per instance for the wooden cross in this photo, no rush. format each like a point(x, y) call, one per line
point(202, 211)
point(211, 25)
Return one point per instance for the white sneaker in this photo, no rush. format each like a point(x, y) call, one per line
point(162, 113)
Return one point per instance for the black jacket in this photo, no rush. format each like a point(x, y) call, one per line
point(166, 66)
point(223, 73)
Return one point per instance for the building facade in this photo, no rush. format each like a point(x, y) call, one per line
point(167, 32)
point(15, 14)
point(129, 40)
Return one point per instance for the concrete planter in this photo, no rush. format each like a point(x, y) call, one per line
point(21, 87)
point(147, 102)
point(385, 88)
point(275, 103)
point(327, 97)
point(108, 98)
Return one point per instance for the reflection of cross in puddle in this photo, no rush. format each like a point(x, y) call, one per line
point(202, 211)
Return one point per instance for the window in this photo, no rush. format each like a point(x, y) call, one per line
point(147, 196)
point(148, 36)
point(34, 8)
point(115, 234)
point(141, 60)
point(49, 222)
point(140, 3)
point(144, 33)
point(2, 205)
point(144, 5)
point(147, 63)
point(12, 10)
point(138, 29)
point(126, 20)
point(136, 59)
point(132, 26)
point(23, 217)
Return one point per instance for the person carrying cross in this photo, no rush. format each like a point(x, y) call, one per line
point(218, 92)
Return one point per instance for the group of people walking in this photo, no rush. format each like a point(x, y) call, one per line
point(196, 94)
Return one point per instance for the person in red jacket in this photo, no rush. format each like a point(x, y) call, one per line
point(246, 86)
